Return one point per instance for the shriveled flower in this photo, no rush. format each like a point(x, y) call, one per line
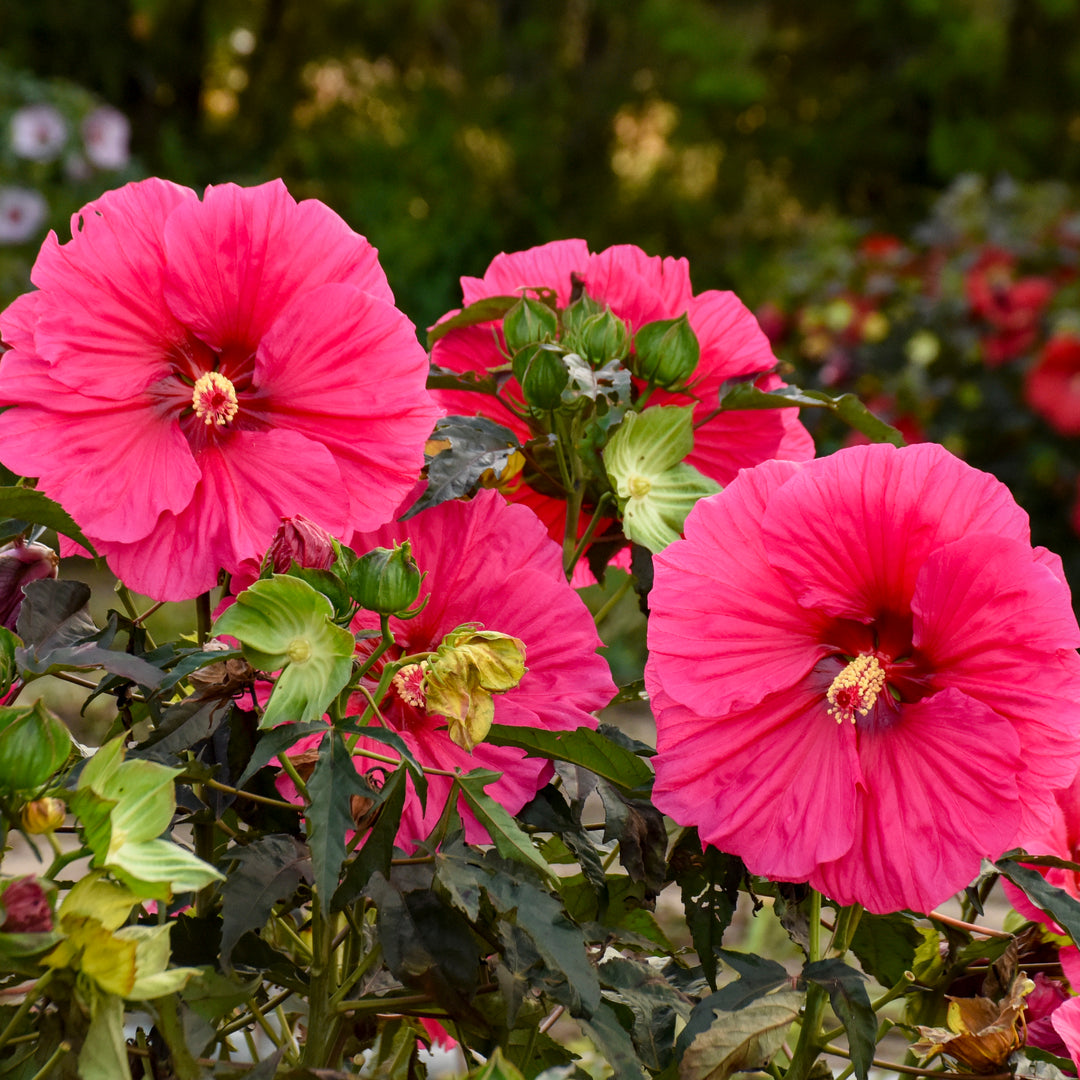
point(38, 132)
point(300, 541)
point(21, 563)
point(22, 213)
point(1052, 386)
point(863, 675)
point(105, 133)
point(638, 289)
point(189, 372)
point(25, 907)
point(488, 563)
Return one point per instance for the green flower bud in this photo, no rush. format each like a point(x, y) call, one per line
point(386, 581)
point(578, 313)
point(33, 745)
point(527, 322)
point(543, 377)
point(666, 352)
point(604, 337)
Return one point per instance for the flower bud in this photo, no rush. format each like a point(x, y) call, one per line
point(26, 908)
point(33, 745)
point(300, 541)
point(604, 337)
point(42, 816)
point(666, 352)
point(527, 322)
point(21, 563)
point(579, 312)
point(543, 376)
point(386, 581)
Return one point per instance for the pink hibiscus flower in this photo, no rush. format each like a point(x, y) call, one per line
point(491, 563)
point(638, 289)
point(1066, 1021)
point(1052, 386)
point(863, 675)
point(189, 372)
point(1012, 307)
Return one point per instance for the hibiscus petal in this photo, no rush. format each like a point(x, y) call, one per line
point(774, 784)
point(850, 533)
point(1066, 1022)
point(637, 287)
point(237, 258)
point(102, 317)
point(548, 266)
point(724, 623)
point(939, 794)
point(732, 342)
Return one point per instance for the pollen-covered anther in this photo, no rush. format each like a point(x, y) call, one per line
point(409, 684)
point(855, 689)
point(214, 398)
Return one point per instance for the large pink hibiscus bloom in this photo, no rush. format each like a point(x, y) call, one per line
point(491, 563)
point(863, 675)
point(189, 372)
point(638, 289)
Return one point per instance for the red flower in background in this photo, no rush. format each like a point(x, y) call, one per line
point(638, 289)
point(1052, 386)
point(1012, 307)
point(863, 675)
point(189, 372)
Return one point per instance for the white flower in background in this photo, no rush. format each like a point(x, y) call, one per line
point(22, 214)
point(38, 132)
point(105, 133)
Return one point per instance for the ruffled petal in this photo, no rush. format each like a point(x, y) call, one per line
point(344, 369)
point(1066, 1022)
point(102, 318)
point(732, 342)
point(724, 629)
point(238, 257)
point(939, 795)
point(639, 288)
point(548, 266)
point(850, 533)
point(774, 784)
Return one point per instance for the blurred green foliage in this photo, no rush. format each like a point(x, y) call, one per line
point(448, 130)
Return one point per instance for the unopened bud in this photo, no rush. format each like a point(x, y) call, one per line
point(21, 563)
point(604, 337)
point(543, 376)
point(386, 581)
point(579, 312)
point(42, 816)
point(300, 541)
point(26, 908)
point(528, 322)
point(666, 352)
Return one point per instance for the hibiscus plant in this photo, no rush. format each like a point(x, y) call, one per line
point(363, 788)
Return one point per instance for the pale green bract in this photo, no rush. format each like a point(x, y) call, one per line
point(285, 625)
point(655, 487)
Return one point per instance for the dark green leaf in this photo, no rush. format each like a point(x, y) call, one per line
point(184, 724)
point(329, 817)
point(885, 946)
point(851, 1003)
point(32, 506)
point(1054, 901)
point(639, 828)
point(377, 850)
point(487, 310)
point(847, 407)
point(392, 739)
point(507, 836)
point(548, 812)
point(481, 382)
point(614, 1044)
point(709, 881)
point(589, 749)
point(477, 444)
point(268, 870)
point(274, 743)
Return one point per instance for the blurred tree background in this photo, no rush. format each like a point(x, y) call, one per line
point(449, 130)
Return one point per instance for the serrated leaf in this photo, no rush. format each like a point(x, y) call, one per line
point(477, 445)
point(655, 1004)
point(268, 870)
point(590, 749)
point(613, 1042)
point(377, 850)
point(1054, 901)
point(885, 946)
point(742, 1040)
point(272, 744)
point(509, 840)
point(29, 505)
point(329, 817)
point(389, 737)
point(847, 407)
point(487, 310)
point(851, 1003)
point(639, 828)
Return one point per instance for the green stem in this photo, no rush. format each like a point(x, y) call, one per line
point(57, 1054)
point(321, 1027)
point(896, 990)
point(387, 641)
point(609, 604)
point(911, 1070)
point(847, 922)
point(810, 1041)
point(28, 1002)
point(183, 1063)
point(290, 769)
point(602, 504)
